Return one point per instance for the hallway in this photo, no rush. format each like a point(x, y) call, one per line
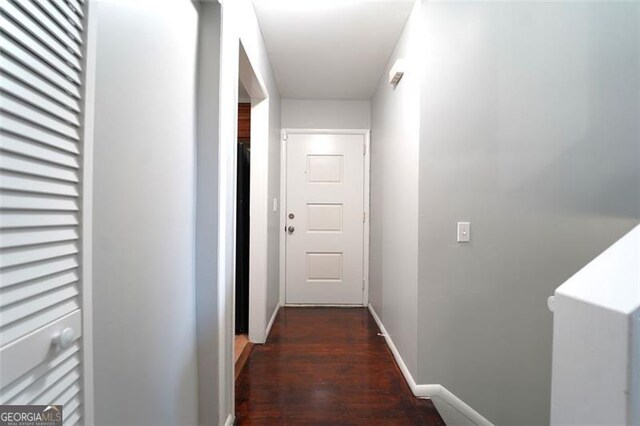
point(462, 175)
point(326, 365)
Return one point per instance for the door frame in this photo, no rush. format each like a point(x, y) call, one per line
point(250, 78)
point(86, 221)
point(283, 210)
point(237, 63)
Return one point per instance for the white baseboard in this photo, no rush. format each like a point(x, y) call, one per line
point(230, 419)
point(322, 305)
point(403, 367)
point(271, 321)
point(452, 409)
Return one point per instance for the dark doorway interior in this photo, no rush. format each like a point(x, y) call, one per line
point(242, 218)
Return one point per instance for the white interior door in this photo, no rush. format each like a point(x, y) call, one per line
point(41, 166)
point(325, 218)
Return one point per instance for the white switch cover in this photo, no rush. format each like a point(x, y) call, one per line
point(275, 205)
point(464, 232)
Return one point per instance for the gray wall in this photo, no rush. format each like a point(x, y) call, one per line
point(529, 130)
point(208, 101)
point(325, 114)
point(393, 274)
point(143, 288)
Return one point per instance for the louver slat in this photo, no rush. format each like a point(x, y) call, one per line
point(27, 166)
point(31, 79)
point(34, 116)
point(25, 148)
point(19, 238)
point(34, 99)
point(14, 294)
point(12, 276)
point(36, 30)
point(37, 185)
point(36, 47)
point(15, 220)
point(58, 17)
point(21, 201)
point(68, 12)
point(69, 40)
point(37, 65)
point(9, 124)
point(73, 419)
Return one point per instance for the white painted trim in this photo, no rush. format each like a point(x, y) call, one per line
point(283, 217)
point(259, 197)
point(230, 420)
point(231, 45)
point(326, 131)
point(403, 367)
point(227, 131)
point(367, 213)
point(322, 305)
point(283, 209)
point(87, 213)
point(271, 321)
point(438, 393)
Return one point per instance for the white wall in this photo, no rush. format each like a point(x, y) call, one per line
point(394, 198)
point(208, 101)
point(529, 130)
point(325, 114)
point(240, 25)
point(143, 282)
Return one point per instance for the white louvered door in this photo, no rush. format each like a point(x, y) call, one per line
point(41, 146)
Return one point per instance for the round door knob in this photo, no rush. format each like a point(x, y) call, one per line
point(291, 229)
point(64, 339)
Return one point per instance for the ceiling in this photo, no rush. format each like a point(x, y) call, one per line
point(330, 49)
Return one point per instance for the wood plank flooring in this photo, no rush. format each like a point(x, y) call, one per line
point(326, 366)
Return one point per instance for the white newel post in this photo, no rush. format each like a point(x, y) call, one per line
point(596, 340)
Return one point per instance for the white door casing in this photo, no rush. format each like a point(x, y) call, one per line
point(325, 217)
point(43, 191)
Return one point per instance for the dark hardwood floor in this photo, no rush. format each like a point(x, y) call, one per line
point(326, 366)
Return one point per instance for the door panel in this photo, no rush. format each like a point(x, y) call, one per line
point(41, 67)
point(325, 207)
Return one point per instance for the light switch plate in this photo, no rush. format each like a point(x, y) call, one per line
point(275, 205)
point(464, 232)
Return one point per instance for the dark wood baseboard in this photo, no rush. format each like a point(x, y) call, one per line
point(244, 357)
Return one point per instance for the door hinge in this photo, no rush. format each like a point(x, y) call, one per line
point(284, 136)
point(364, 217)
point(363, 285)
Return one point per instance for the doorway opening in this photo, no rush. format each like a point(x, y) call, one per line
point(250, 159)
point(242, 345)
